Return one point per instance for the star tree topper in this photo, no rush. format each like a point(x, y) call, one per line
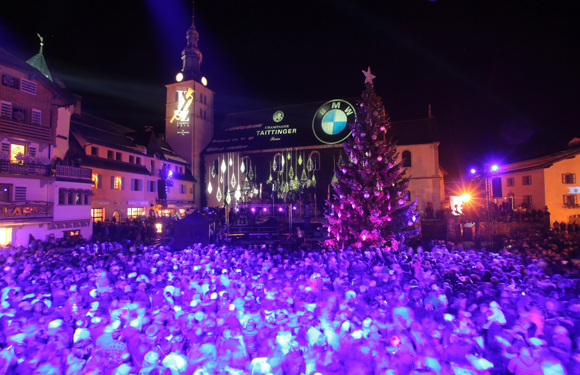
point(368, 76)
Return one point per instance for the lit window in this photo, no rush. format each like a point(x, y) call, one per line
point(16, 150)
point(159, 227)
point(97, 214)
point(118, 183)
point(95, 179)
point(5, 236)
point(135, 212)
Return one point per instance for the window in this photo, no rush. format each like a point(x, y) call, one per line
point(20, 194)
point(136, 184)
point(6, 147)
point(71, 197)
point(28, 86)
point(181, 170)
point(117, 183)
point(569, 178)
point(131, 159)
point(87, 197)
point(526, 180)
point(510, 181)
point(94, 151)
point(315, 157)
point(182, 189)
point(152, 186)
point(201, 112)
point(20, 114)
point(205, 99)
point(109, 154)
point(6, 109)
point(32, 151)
point(15, 151)
point(138, 160)
point(527, 199)
point(36, 116)
point(97, 181)
point(407, 159)
point(10, 81)
point(570, 200)
point(5, 236)
point(5, 192)
point(408, 194)
point(152, 165)
point(118, 156)
point(204, 113)
point(135, 212)
point(62, 199)
point(97, 214)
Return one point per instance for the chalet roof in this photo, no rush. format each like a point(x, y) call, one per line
point(244, 131)
point(103, 132)
point(542, 161)
point(7, 59)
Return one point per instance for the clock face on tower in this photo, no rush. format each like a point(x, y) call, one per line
point(179, 77)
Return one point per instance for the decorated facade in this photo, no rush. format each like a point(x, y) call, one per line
point(287, 155)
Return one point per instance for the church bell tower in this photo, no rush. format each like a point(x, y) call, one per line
point(189, 114)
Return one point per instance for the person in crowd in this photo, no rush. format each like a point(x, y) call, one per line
point(115, 308)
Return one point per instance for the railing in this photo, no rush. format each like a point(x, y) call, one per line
point(65, 171)
point(24, 130)
point(25, 169)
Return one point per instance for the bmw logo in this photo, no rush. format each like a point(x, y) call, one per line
point(330, 123)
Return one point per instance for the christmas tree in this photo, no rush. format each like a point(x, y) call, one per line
point(369, 205)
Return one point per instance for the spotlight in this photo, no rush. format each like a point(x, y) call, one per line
point(253, 209)
point(280, 209)
point(494, 168)
point(265, 209)
point(473, 170)
point(294, 208)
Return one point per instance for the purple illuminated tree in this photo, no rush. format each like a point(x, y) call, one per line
point(369, 205)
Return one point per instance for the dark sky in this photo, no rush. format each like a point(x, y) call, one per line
point(502, 76)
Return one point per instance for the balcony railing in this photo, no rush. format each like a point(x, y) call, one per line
point(25, 169)
point(62, 171)
point(25, 130)
point(65, 171)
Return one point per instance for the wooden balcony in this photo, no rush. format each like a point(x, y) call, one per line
point(75, 173)
point(60, 171)
point(29, 132)
point(25, 169)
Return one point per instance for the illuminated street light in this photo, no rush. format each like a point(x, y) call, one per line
point(494, 167)
point(473, 170)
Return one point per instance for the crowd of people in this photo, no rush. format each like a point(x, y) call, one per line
point(108, 308)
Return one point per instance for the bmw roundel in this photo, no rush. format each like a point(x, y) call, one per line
point(330, 123)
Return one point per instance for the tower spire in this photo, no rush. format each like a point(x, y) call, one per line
point(38, 60)
point(191, 55)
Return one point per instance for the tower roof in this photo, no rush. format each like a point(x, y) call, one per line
point(191, 55)
point(39, 62)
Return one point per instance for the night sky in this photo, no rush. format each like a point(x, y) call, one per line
point(502, 76)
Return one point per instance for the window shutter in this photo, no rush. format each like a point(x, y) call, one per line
point(573, 178)
point(28, 86)
point(6, 109)
point(20, 193)
point(100, 183)
point(140, 185)
point(133, 184)
point(565, 200)
point(563, 178)
point(123, 183)
point(6, 147)
point(112, 182)
point(32, 151)
point(36, 116)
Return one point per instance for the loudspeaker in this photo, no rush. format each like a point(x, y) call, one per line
point(161, 192)
point(496, 187)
